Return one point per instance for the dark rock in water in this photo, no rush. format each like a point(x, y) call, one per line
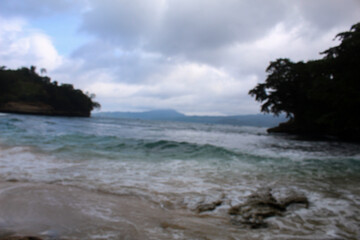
point(208, 206)
point(294, 200)
point(260, 206)
point(12, 180)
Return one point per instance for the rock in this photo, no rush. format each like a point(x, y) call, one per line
point(39, 108)
point(260, 206)
point(13, 180)
point(295, 200)
point(24, 107)
point(208, 206)
point(166, 225)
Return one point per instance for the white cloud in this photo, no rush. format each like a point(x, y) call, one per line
point(190, 88)
point(22, 47)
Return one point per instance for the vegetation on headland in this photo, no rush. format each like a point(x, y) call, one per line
point(321, 97)
point(25, 91)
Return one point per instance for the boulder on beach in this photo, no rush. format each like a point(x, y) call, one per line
point(262, 205)
point(204, 207)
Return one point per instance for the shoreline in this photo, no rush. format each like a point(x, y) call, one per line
point(40, 211)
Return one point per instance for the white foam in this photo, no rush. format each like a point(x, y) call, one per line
point(321, 171)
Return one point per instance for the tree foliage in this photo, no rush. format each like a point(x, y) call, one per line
point(320, 96)
point(26, 86)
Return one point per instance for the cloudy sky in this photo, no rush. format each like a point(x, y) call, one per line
point(196, 56)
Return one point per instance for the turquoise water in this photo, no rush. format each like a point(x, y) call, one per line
point(172, 167)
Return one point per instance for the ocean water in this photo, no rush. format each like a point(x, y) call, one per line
point(103, 178)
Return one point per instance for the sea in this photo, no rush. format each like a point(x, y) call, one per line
point(108, 178)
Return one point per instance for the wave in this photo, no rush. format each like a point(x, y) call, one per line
point(93, 146)
point(196, 150)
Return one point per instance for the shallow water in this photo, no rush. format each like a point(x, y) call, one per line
point(101, 178)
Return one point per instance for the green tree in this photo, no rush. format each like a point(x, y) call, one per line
point(321, 96)
point(43, 71)
point(33, 69)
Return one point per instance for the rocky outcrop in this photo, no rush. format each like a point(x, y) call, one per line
point(286, 127)
point(30, 108)
point(204, 207)
point(38, 108)
point(259, 206)
point(308, 131)
point(262, 205)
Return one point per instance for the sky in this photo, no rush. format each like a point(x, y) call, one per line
point(199, 57)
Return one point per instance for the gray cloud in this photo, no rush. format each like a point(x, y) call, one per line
point(130, 66)
point(181, 27)
point(127, 23)
point(238, 38)
point(326, 14)
point(190, 26)
point(199, 56)
point(204, 30)
point(36, 8)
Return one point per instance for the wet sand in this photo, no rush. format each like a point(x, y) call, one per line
point(59, 212)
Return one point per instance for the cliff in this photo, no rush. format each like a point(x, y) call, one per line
point(38, 108)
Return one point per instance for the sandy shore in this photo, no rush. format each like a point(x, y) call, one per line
point(50, 211)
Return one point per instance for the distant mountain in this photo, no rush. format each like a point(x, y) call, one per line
point(259, 120)
point(166, 114)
